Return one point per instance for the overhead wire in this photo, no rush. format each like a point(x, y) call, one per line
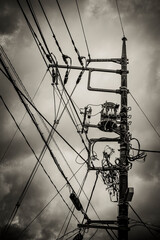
point(12, 139)
point(120, 19)
point(94, 234)
point(35, 37)
point(142, 221)
point(145, 115)
point(75, 48)
point(49, 56)
point(64, 57)
point(89, 56)
point(91, 195)
point(68, 234)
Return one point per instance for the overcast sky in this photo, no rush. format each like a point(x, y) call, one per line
point(103, 32)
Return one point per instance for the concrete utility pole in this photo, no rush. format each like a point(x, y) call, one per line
point(124, 152)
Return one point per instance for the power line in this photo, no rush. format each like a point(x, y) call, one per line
point(12, 139)
point(68, 234)
point(75, 48)
point(145, 115)
point(89, 56)
point(120, 18)
point(142, 221)
point(64, 57)
point(49, 56)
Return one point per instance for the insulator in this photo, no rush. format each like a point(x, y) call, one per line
point(76, 201)
point(79, 236)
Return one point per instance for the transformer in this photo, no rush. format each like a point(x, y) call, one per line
point(109, 117)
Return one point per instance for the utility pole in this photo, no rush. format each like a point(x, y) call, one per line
point(115, 176)
point(124, 151)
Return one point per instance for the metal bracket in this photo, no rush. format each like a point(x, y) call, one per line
point(100, 89)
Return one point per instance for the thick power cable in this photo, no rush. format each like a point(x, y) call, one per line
point(89, 56)
point(142, 221)
point(120, 19)
point(76, 50)
point(145, 115)
point(31, 222)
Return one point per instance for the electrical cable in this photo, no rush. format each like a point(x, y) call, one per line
point(76, 50)
point(91, 194)
point(90, 201)
point(35, 37)
point(145, 115)
point(94, 234)
point(12, 139)
point(64, 57)
point(120, 18)
point(67, 234)
point(29, 224)
point(146, 150)
point(49, 56)
point(142, 221)
point(89, 56)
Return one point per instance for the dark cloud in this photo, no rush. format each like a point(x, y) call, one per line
point(13, 233)
point(9, 17)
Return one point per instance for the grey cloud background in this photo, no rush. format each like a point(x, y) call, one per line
point(141, 25)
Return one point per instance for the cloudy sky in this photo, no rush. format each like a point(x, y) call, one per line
point(103, 32)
